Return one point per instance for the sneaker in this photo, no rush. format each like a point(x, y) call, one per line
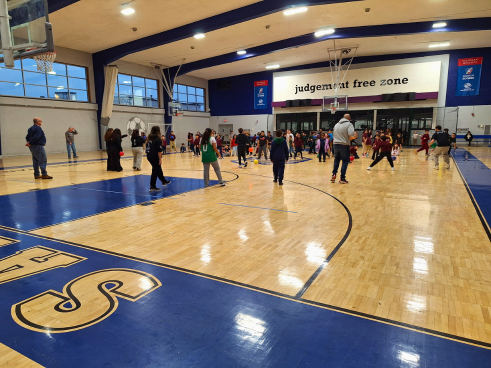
point(447, 167)
point(275, 180)
point(333, 178)
point(245, 165)
point(46, 177)
point(280, 183)
point(222, 184)
point(369, 168)
point(76, 156)
point(166, 182)
point(240, 166)
point(343, 181)
point(393, 169)
point(437, 168)
point(155, 189)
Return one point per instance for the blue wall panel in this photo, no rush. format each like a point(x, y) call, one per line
point(239, 99)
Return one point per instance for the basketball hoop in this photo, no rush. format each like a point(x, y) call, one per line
point(175, 109)
point(333, 110)
point(45, 61)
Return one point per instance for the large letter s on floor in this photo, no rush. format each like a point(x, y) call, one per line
point(89, 300)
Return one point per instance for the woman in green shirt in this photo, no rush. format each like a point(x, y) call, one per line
point(209, 154)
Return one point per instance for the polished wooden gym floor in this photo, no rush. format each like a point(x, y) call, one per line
point(409, 249)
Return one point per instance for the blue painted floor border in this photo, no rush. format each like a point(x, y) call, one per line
point(191, 321)
point(40, 208)
point(478, 179)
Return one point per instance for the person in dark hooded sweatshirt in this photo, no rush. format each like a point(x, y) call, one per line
point(279, 155)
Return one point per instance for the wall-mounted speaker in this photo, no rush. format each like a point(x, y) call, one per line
point(224, 84)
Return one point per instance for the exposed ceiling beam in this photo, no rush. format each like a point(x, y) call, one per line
point(454, 25)
point(55, 5)
point(236, 16)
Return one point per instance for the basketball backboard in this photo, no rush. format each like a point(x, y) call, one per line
point(26, 31)
point(335, 103)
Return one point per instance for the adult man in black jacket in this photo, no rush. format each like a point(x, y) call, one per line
point(242, 142)
point(36, 140)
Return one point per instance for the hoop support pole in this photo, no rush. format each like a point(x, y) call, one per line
point(8, 53)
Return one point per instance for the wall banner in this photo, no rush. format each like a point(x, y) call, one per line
point(375, 81)
point(260, 94)
point(469, 77)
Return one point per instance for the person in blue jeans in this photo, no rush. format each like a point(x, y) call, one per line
point(70, 142)
point(343, 132)
point(36, 140)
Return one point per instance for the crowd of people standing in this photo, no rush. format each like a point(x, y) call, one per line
point(338, 143)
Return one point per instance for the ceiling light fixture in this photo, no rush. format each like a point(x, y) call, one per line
point(295, 10)
point(439, 25)
point(276, 66)
point(442, 44)
point(127, 11)
point(241, 52)
point(324, 32)
point(199, 35)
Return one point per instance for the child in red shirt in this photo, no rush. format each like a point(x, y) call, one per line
point(164, 145)
point(197, 150)
point(424, 142)
point(385, 151)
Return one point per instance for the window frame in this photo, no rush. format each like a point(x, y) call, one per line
point(22, 70)
point(187, 94)
point(139, 106)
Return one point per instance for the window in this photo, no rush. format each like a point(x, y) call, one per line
point(305, 122)
point(65, 82)
point(136, 91)
point(191, 98)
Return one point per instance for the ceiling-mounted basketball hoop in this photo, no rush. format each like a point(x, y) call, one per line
point(340, 60)
point(175, 109)
point(45, 61)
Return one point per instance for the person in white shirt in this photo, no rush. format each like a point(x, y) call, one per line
point(289, 141)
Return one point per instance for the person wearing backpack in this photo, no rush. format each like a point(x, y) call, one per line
point(154, 156)
point(209, 153)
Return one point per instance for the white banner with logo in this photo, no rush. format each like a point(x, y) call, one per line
point(419, 78)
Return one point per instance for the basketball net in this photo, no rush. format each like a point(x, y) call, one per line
point(45, 61)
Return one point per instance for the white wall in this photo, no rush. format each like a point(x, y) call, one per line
point(191, 122)
point(122, 114)
point(255, 123)
point(16, 114)
point(482, 116)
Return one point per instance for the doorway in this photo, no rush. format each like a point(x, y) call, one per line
point(224, 131)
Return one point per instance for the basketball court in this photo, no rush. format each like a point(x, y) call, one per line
point(390, 270)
